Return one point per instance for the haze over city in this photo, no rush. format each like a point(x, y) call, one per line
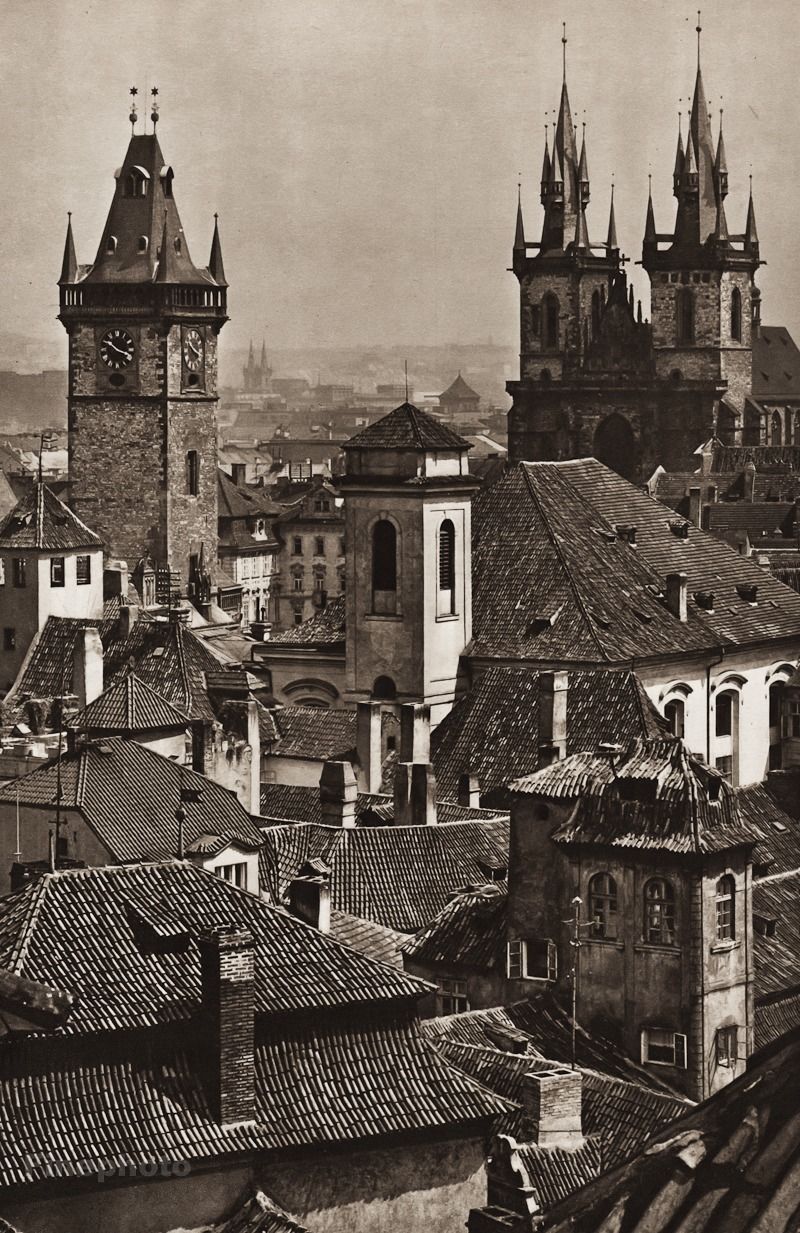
point(364, 158)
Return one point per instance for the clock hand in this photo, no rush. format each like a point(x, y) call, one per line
point(192, 347)
point(118, 350)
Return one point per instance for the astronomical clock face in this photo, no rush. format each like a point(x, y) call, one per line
point(117, 349)
point(193, 350)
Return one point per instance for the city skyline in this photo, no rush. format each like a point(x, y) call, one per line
point(364, 170)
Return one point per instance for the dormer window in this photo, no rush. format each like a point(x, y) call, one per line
point(111, 244)
point(143, 244)
point(136, 182)
point(177, 244)
point(167, 176)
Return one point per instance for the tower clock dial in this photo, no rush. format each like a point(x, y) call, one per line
point(117, 348)
point(193, 350)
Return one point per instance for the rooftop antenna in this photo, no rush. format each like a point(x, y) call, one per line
point(564, 50)
point(133, 117)
point(575, 945)
point(154, 108)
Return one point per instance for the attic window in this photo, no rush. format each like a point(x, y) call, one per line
point(627, 533)
point(136, 182)
point(748, 591)
point(111, 244)
point(764, 926)
point(644, 617)
point(600, 619)
point(705, 600)
point(679, 529)
point(538, 624)
point(177, 244)
point(143, 243)
point(167, 176)
point(637, 789)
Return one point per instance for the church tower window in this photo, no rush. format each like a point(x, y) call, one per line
point(384, 568)
point(596, 311)
point(192, 473)
point(685, 306)
point(736, 315)
point(550, 307)
point(447, 568)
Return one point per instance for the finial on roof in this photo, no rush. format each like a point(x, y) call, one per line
point(405, 365)
point(69, 264)
point(611, 238)
point(215, 267)
point(564, 50)
point(134, 115)
point(154, 108)
point(699, 30)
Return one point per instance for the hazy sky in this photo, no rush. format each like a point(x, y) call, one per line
point(363, 154)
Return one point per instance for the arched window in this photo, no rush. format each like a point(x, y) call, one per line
point(446, 600)
point(143, 243)
point(726, 731)
point(111, 244)
point(384, 567)
point(596, 310)
point(776, 431)
point(675, 715)
point(384, 689)
point(192, 473)
point(136, 182)
point(659, 912)
point(166, 180)
point(736, 315)
point(550, 313)
point(725, 902)
point(603, 905)
point(685, 307)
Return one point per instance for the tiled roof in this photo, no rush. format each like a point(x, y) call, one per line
point(400, 876)
point(621, 1113)
point(260, 1215)
point(458, 389)
point(732, 1165)
point(469, 932)
point(325, 628)
point(540, 1027)
point(776, 364)
point(773, 520)
point(778, 833)
point(164, 655)
point(128, 705)
point(777, 957)
point(40, 521)
point(709, 564)
point(128, 795)
point(493, 731)
point(311, 732)
point(775, 1018)
point(89, 932)
point(377, 942)
point(777, 459)
point(238, 501)
point(407, 428)
point(294, 803)
point(652, 794)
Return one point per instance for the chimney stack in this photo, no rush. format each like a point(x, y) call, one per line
point(310, 900)
point(414, 794)
point(415, 732)
point(115, 579)
point(238, 473)
point(749, 480)
point(695, 506)
point(552, 717)
point(338, 792)
point(676, 595)
point(227, 968)
point(368, 745)
point(469, 790)
point(128, 616)
point(87, 667)
point(551, 1100)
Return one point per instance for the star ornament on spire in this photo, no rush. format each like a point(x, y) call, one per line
point(154, 107)
point(133, 116)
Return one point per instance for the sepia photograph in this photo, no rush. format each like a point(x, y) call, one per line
point(399, 617)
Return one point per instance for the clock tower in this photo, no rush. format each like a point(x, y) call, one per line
point(143, 323)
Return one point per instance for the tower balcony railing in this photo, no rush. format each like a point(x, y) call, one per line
point(142, 300)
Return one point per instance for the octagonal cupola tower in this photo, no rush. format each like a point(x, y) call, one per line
point(143, 322)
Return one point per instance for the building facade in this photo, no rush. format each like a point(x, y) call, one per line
point(311, 556)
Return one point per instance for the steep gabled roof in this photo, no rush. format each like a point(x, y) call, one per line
point(407, 428)
point(469, 932)
point(459, 391)
point(128, 795)
point(128, 705)
point(39, 520)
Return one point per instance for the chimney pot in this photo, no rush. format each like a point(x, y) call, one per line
point(227, 967)
point(128, 615)
point(88, 667)
point(414, 794)
point(310, 900)
point(749, 480)
point(552, 1101)
point(677, 595)
point(695, 506)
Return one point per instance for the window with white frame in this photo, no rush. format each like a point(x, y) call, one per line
point(662, 1047)
point(83, 570)
point(452, 997)
point(725, 908)
point(235, 873)
point(603, 905)
point(792, 719)
point(517, 959)
point(532, 959)
point(727, 1045)
point(659, 913)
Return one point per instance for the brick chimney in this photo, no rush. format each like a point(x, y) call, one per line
point(551, 1100)
point(469, 790)
point(227, 965)
point(695, 506)
point(414, 794)
point(749, 480)
point(676, 595)
point(552, 717)
point(415, 732)
point(128, 616)
point(238, 473)
point(338, 792)
point(87, 667)
point(310, 900)
point(368, 745)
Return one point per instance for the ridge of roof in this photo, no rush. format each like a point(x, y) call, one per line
point(41, 521)
point(407, 427)
point(128, 704)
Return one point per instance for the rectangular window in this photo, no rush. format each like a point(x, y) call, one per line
point(83, 571)
point(322, 506)
point(236, 874)
point(319, 580)
point(725, 767)
point(724, 715)
point(56, 571)
point(542, 959)
point(792, 720)
point(452, 997)
point(297, 584)
point(9, 638)
point(319, 546)
point(727, 1046)
point(517, 960)
point(664, 1048)
point(18, 571)
point(298, 618)
point(341, 546)
point(192, 473)
point(297, 546)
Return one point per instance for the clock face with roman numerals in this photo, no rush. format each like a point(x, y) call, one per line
point(193, 350)
point(117, 348)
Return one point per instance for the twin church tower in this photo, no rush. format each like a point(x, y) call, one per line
point(143, 322)
point(595, 379)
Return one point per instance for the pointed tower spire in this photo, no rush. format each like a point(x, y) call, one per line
point(680, 159)
point(690, 162)
point(263, 354)
point(721, 163)
point(611, 238)
point(519, 232)
point(704, 211)
point(750, 232)
point(251, 358)
point(581, 242)
point(545, 178)
point(721, 228)
point(165, 273)
point(69, 265)
point(650, 221)
point(215, 267)
point(583, 171)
